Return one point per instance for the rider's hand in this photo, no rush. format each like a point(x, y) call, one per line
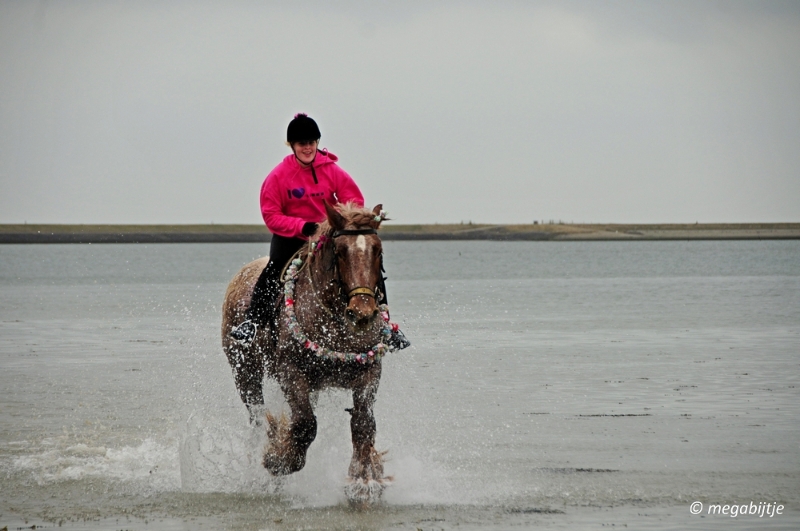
point(310, 228)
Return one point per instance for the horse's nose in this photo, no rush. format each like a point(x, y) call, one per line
point(361, 317)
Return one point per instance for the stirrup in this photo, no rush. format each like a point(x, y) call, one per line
point(398, 341)
point(244, 333)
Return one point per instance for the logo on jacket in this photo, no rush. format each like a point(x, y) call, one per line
point(297, 192)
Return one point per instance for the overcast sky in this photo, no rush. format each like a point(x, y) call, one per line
point(500, 112)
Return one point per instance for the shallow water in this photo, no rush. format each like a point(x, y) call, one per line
point(552, 385)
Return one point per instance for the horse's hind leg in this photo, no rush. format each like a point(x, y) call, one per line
point(366, 479)
point(289, 442)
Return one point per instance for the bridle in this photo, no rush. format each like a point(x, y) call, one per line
point(361, 290)
point(316, 246)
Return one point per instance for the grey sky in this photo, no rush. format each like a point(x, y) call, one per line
point(174, 112)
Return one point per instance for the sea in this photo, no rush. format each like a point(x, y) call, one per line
point(551, 385)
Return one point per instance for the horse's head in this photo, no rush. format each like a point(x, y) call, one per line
point(357, 253)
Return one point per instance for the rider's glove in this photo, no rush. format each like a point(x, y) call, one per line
point(309, 228)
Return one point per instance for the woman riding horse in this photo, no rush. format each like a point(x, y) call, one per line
point(292, 205)
point(331, 326)
point(331, 331)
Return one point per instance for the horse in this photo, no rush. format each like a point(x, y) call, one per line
point(330, 332)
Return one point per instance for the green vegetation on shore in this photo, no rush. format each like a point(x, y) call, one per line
point(53, 228)
point(56, 233)
point(389, 227)
point(588, 227)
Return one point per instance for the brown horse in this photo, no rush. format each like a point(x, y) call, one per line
point(329, 333)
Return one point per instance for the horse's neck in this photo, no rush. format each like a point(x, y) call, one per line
point(323, 286)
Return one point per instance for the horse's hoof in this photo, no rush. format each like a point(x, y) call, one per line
point(280, 466)
point(364, 493)
point(280, 459)
point(274, 465)
point(366, 481)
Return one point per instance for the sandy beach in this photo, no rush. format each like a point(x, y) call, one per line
point(30, 233)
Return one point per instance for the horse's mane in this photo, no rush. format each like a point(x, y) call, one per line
point(356, 217)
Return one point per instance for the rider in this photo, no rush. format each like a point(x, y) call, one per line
point(292, 205)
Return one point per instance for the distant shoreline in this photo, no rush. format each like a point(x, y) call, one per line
point(27, 234)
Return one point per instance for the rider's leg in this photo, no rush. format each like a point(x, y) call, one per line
point(263, 302)
point(398, 340)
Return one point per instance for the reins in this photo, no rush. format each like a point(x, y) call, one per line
point(286, 266)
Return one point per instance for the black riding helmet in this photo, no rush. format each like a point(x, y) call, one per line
point(302, 129)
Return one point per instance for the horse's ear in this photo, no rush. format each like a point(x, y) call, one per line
point(335, 219)
point(377, 216)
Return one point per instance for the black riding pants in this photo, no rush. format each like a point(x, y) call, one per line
point(268, 285)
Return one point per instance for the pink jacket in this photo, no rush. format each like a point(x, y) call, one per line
point(290, 197)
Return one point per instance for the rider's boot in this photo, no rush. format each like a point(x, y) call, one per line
point(398, 340)
point(245, 332)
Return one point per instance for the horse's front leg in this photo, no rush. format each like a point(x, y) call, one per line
point(289, 442)
point(366, 479)
point(247, 364)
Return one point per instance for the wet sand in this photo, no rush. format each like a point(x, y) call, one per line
point(532, 232)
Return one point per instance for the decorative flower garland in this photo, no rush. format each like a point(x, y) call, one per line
point(374, 354)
